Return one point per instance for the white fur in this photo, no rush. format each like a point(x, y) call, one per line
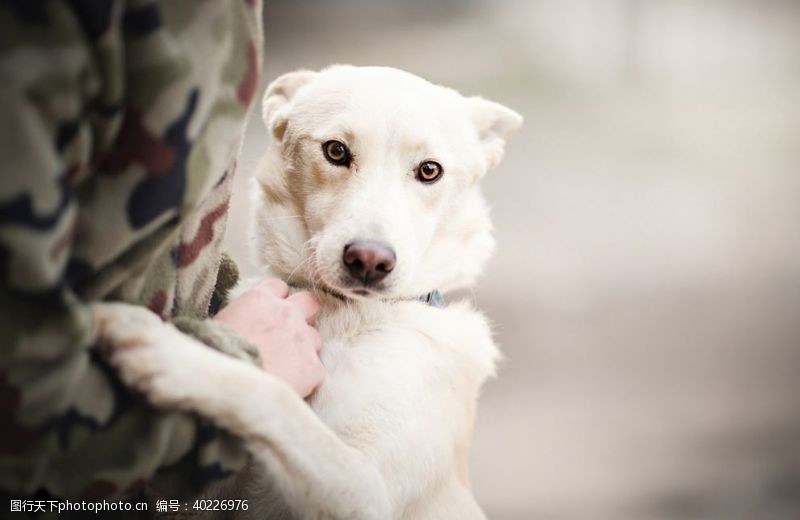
point(387, 434)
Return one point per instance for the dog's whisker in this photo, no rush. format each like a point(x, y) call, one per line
point(307, 259)
point(297, 267)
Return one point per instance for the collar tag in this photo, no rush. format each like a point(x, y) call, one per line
point(433, 298)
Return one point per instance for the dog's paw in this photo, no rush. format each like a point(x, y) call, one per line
point(150, 356)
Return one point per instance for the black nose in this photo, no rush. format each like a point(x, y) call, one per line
point(367, 261)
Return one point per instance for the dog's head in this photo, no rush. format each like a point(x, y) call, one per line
point(371, 185)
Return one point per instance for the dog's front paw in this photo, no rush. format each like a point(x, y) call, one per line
point(150, 356)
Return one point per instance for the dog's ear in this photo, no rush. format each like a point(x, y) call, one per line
point(277, 98)
point(495, 123)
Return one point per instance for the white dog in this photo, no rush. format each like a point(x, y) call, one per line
point(369, 197)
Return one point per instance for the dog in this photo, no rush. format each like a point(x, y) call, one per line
point(368, 195)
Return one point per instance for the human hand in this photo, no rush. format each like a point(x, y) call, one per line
point(282, 327)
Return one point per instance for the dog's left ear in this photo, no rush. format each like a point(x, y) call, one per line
point(277, 99)
point(495, 123)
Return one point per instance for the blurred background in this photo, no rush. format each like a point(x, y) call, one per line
point(646, 287)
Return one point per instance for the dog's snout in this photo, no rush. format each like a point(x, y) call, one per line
point(367, 261)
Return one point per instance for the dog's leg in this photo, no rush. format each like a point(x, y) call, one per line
point(318, 474)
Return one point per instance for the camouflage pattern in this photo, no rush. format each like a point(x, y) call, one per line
point(120, 123)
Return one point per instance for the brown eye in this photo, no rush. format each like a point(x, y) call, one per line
point(336, 153)
point(429, 171)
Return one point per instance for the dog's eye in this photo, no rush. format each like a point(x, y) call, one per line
point(336, 153)
point(429, 171)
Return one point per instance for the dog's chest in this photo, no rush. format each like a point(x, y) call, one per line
point(381, 364)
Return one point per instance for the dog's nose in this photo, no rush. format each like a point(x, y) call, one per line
point(368, 261)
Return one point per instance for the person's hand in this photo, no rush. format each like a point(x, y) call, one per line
point(282, 327)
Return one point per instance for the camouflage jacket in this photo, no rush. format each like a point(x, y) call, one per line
point(120, 123)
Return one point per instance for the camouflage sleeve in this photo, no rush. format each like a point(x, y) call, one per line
point(68, 428)
point(212, 333)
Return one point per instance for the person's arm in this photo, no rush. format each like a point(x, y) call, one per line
point(68, 427)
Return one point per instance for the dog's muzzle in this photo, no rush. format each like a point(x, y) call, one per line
point(368, 261)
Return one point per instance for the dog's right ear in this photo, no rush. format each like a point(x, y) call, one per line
point(495, 123)
point(277, 100)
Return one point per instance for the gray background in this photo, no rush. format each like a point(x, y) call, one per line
point(646, 288)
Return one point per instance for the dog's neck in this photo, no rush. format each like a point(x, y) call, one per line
point(433, 298)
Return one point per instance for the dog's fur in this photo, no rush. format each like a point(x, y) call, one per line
point(387, 434)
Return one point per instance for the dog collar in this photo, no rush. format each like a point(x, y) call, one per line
point(433, 298)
